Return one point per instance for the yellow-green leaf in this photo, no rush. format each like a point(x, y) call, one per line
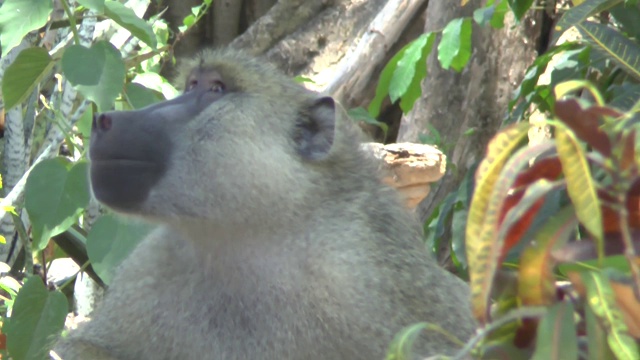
point(580, 184)
point(478, 248)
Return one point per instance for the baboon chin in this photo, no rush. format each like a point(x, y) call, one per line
point(275, 239)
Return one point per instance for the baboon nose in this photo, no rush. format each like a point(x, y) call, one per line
point(102, 122)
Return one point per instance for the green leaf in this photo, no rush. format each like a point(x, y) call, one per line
point(454, 49)
point(84, 125)
point(578, 14)
point(97, 72)
point(402, 344)
point(195, 10)
point(28, 69)
point(56, 193)
point(557, 334)
point(601, 300)
point(383, 83)
point(37, 319)
point(415, 88)
point(406, 68)
point(97, 5)
point(126, 18)
point(110, 241)
point(529, 86)
point(140, 96)
point(458, 248)
point(492, 14)
point(626, 96)
point(628, 17)
point(520, 7)
point(483, 15)
point(497, 21)
point(614, 45)
point(596, 338)
point(188, 21)
point(156, 82)
point(360, 114)
point(19, 17)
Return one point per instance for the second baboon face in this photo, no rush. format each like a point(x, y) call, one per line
point(226, 143)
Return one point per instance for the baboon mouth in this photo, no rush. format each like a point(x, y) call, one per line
point(124, 184)
point(124, 163)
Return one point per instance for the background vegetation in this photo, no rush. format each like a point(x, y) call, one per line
point(546, 229)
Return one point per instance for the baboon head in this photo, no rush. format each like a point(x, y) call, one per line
point(240, 136)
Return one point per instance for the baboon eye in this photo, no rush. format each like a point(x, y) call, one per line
point(192, 84)
point(217, 87)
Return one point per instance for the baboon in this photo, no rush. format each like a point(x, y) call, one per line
point(275, 239)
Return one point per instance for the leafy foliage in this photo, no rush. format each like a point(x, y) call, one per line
point(56, 193)
point(117, 68)
point(567, 208)
point(38, 315)
point(107, 255)
point(580, 192)
point(18, 18)
point(97, 72)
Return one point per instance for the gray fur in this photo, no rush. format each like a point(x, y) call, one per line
point(265, 251)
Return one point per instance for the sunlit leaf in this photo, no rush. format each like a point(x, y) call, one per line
point(382, 90)
point(454, 49)
point(126, 18)
point(529, 85)
point(479, 244)
point(19, 17)
point(413, 88)
point(27, 70)
point(580, 184)
point(406, 68)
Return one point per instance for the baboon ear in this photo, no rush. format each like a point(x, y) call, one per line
point(315, 129)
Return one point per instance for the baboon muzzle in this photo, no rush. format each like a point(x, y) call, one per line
point(130, 150)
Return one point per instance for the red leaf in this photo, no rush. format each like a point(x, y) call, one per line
point(548, 168)
point(586, 123)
